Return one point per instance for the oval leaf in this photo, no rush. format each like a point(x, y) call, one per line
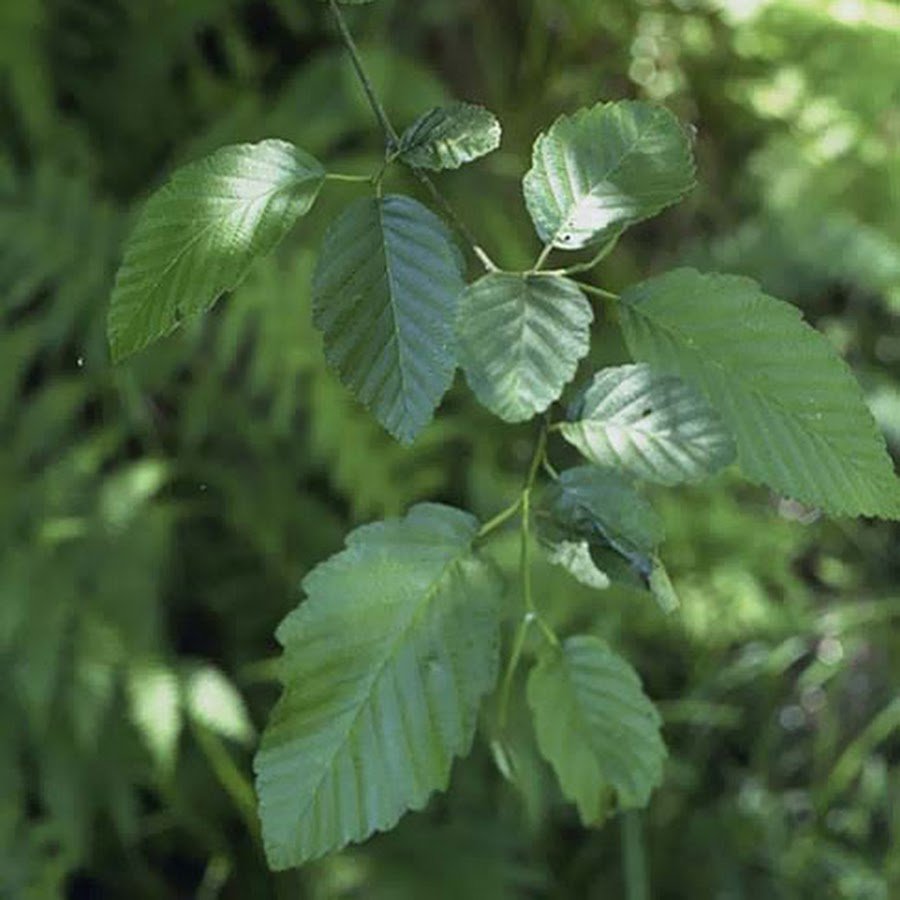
point(654, 426)
point(385, 294)
point(384, 667)
point(796, 412)
point(448, 137)
point(198, 236)
point(605, 168)
point(521, 337)
point(596, 727)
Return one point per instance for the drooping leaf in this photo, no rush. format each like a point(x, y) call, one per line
point(796, 412)
point(384, 667)
point(198, 236)
point(575, 557)
point(449, 136)
point(603, 507)
point(385, 295)
point(596, 726)
point(654, 426)
point(521, 337)
point(605, 168)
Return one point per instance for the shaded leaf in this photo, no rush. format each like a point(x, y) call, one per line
point(521, 337)
point(384, 668)
point(596, 726)
point(385, 295)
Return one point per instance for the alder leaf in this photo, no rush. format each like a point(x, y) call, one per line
point(385, 295)
point(651, 425)
point(385, 665)
point(796, 412)
point(521, 337)
point(449, 136)
point(605, 168)
point(596, 727)
point(199, 234)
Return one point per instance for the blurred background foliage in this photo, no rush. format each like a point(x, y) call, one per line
point(157, 517)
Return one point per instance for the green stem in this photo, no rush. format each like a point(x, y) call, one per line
point(511, 666)
point(500, 518)
point(600, 292)
point(337, 176)
point(393, 139)
point(634, 857)
point(544, 256)
point(374, 102)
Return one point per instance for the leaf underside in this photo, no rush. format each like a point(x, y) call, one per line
point(384, 667)
point(385, 296)
point(797, 414)
point(605, 168)
point(596, 727)
point(521, 338)
point(653, 426)
point(199, 234)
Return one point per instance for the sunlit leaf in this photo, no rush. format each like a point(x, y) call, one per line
point(199, 234)
point(604, 168)
point(654, 426)
point(449, 136)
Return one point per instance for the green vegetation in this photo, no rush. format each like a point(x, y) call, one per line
point(175, 484)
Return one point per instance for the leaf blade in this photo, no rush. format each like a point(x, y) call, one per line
point(373, 715)
point(450, 136)
point(605, 168)
point(796, 412)
point(654, 426)
point(385, 293)
point(521, 338)
point(199, 234)
point(596, 726)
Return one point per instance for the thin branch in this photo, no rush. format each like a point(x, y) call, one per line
point(393, 138)
point(374, 102)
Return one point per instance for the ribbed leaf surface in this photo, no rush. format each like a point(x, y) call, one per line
point(449, 136)
point(604, 168)
point(521, 337)
point(654, 426)
point(596, 726)
point(792, 404)
point(385, 295)
point(197, 236)
point(384, 667)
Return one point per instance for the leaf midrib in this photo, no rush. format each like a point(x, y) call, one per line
point(416, 614)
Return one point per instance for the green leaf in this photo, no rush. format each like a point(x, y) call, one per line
point(604, 169)
point(653, 426)
point(385, 295)
point(596, 726)
point(212, 701)
point(575, 557)
point(796, 412)
point(602, 507)
point(449, 136)
point(384, 667)
point(198, 236)
point(521, 337)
